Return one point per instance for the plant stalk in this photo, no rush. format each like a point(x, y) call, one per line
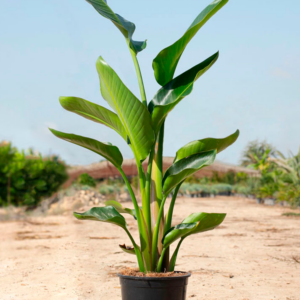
point(171, 208)
point(156, 189)
point(161, 260)
point(137, 252)
point(144, 235)
point(174, 256)
point(139, 77)
point(156, 231)
point(148, 189)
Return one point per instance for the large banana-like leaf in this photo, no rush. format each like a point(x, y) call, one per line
point(173, 92)
point(107, 150)
point(127, 28)
point(166, 61)
point(186, 167)
point(133, 114)
point(94, 112)
point(195, 223)
point(206, 145)
point(103, 214)
point(119, 207)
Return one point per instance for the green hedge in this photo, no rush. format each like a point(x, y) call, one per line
point(26, 179)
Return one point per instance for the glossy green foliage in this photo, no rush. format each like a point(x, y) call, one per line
point(195, 223)
point(132, 113)
point(107, 150)
point(141, 125)
point(119, 207)
point(174, 91)
point(94, 112)
point(206, 145)
point(103, 214)
point(186, 167)
point(127, 28)
point(165, 63)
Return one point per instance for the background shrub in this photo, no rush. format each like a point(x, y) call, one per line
point(86, 179)
point(26, 178)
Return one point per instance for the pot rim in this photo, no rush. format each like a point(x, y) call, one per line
point(188, 274)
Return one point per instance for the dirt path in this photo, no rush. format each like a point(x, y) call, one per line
point(254, 254)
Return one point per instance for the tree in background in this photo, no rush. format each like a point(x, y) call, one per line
point(290, 181)
point(26, 178)
point(280, 175)
point(256, 154)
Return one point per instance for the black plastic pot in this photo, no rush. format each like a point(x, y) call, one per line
point(154, 288)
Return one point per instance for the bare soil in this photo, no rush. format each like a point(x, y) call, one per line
point(253, 255)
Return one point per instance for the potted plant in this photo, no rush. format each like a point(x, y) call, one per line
point(141, 124)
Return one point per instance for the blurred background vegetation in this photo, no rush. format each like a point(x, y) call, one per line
point(26, 178)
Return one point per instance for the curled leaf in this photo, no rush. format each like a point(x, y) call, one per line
point(127, 28)
point(206, 145)
point(127, 249)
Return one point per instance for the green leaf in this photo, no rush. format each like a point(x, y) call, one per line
point(127, 249)
point(132, 113)
point(186, 167)
point(127, 28)
point(166, 61)
point(206, 145)
point(103, 214)
point(173, 92)
point(107, 150)
point(94, 113)
point(118, 206)
point(195, 223)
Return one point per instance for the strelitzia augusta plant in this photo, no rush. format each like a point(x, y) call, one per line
point(141, 125)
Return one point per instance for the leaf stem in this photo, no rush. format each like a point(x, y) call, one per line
point(161, 259)
point(156, 189)
point(144, 236)
point(171, 208)
point(174, 256)
point(139, 76)
point(137, 252)
point(156, 231)
point(148, 190)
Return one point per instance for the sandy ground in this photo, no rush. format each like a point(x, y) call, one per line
point(254, 254)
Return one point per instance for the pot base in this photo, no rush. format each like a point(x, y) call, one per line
point(154, 288)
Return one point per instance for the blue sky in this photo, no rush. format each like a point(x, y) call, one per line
point(49, 49)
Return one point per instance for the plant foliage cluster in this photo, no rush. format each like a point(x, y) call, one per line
point(141, 124)
point(280, 175)
point(25, 178)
